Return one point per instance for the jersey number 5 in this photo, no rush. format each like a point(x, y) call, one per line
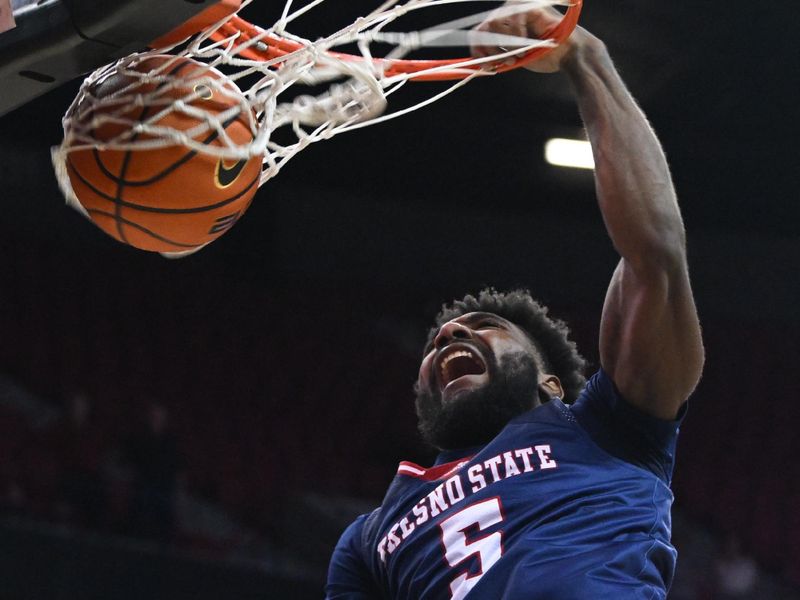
point(488, 548)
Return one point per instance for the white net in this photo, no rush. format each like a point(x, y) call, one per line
point(357, 96)
point(233, 92)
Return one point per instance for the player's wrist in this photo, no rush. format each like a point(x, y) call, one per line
point(584, 51)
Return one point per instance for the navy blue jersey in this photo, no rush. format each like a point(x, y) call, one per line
point(567, 502)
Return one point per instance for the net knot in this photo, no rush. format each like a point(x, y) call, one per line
point(348, 102)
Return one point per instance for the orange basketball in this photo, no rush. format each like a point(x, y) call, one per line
point(171, 199)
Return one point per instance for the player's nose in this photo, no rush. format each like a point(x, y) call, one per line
point(449, 332)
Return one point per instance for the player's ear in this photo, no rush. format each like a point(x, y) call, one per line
point(550, 386)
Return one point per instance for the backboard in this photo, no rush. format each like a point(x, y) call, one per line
point(44, 43)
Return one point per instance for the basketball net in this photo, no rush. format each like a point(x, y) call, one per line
point(265, 63)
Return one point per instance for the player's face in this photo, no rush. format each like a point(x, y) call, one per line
point(479, 372)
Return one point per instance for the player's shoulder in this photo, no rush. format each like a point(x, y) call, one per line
point(624, 431)
point(599, 389)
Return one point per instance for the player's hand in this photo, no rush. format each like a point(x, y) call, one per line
point(534, 23)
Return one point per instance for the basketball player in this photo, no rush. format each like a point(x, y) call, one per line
point(547, 486)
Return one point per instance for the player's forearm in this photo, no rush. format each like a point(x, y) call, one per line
point(634, 187)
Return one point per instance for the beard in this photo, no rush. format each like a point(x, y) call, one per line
point(476, 416)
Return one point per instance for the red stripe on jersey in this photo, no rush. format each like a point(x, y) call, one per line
point(432, 473)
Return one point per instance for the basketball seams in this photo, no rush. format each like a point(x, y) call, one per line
point(143, 229)
point(107, 172)
point(177, 212)
point(155, 209)
point(118, 219)
point(170, 169)
point(121, 185)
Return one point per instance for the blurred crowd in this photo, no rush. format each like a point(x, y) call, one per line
point(71, 473)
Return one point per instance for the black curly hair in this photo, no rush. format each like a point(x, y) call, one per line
point(550, 336)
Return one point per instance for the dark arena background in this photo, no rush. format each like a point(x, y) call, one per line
point(205, 428)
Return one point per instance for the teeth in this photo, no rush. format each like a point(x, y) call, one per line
point(450, 357)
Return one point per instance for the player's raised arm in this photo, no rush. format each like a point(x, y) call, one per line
point(650, 340)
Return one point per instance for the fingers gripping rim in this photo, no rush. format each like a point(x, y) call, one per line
point(559, 34)
point(272, 48)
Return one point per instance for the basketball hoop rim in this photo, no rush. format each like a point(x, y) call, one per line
point(277, 47)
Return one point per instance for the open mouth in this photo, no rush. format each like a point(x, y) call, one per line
point(459, 362)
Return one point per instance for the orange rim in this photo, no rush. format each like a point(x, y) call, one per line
point(278, 47)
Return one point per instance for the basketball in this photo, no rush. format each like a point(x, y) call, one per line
point(169, 199)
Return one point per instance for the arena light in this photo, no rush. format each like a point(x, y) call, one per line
point(576, 154)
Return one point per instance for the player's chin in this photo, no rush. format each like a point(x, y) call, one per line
point(468, 417)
